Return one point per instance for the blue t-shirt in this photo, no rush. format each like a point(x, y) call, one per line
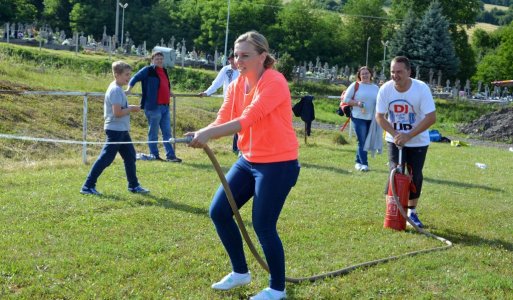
point(115, 95)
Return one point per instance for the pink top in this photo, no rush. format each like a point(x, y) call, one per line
point(265, 114)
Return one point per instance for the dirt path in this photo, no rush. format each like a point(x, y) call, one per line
point(471, 141)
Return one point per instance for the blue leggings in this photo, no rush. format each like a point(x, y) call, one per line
point(268, 184)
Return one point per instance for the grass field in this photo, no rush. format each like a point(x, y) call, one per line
point(58, 244)
point(489, 7)
point(484, 26)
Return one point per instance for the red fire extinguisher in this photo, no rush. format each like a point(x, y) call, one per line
point(398, 192)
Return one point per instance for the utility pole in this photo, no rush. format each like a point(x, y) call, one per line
point(367, 56)
point(123, 21)
point(116, 32)
point(226, 35)
point(385, 44)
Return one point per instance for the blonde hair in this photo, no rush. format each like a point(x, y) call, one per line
point(118, 67)
point(261, 45)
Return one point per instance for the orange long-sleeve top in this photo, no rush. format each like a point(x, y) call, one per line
point(265, 115)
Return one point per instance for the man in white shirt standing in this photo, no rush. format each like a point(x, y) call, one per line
point(225, 76)
point(410, 111)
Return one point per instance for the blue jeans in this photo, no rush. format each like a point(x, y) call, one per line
point(160, 118)
point(268, 184)
point(107, 155)
point(361, 127)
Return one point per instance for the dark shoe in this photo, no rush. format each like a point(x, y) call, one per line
point(159, 158)
point(175, 160)
point(138, 190)
point(89, 191)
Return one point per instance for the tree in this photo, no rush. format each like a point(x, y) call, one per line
point(89, 18)
point(334, 5)
point(285, 65)
point(254, 15)
point(7, 13)
point(151, 23)
point(459, 14)
point(15, 11)
point(496, 65)
point(306, 33)
point(403, 43)
point(56, 14)
point(434, 47)
point(465, 53)
point(357, 30)
point(457, 11)
point(204, 21)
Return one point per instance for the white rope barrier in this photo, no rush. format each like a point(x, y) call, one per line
point(47, 140)
point(85, 96)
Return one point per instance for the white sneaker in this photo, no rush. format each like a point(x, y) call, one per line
point(358, 166)
point(232, 280)
point(364, 168)
point(269, 294)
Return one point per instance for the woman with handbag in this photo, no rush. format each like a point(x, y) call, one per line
point(363, 103)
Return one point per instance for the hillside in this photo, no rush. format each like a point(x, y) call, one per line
point(484, 26)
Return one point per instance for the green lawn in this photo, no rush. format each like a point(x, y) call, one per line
point(58, 244)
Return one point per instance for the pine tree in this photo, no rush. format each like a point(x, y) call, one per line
point(403, 43)
point(434, 46)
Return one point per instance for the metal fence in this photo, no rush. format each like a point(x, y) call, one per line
point(86, 96)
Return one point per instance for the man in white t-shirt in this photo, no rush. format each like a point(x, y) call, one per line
point(410, 111)
point(225, 76)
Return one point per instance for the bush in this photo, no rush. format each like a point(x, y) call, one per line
point(188, 79)
point(58, 60)
point(316, 88)
point(285, 66)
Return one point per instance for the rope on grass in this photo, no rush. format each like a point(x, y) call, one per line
point(240, 223)
point(342, 271)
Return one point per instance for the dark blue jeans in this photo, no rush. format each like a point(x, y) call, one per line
point(107, 155)
point(361, 127)
point(268, 184)
point(160, 118)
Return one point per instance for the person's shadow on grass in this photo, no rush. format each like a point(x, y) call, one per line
point(464, 238)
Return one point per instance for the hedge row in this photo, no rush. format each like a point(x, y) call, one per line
point(183, 79)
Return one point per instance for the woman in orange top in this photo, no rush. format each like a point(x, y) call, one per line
point(258, 108)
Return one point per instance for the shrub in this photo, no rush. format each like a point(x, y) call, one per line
point(316, 88)
point(188, 79)
point(285, 65)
